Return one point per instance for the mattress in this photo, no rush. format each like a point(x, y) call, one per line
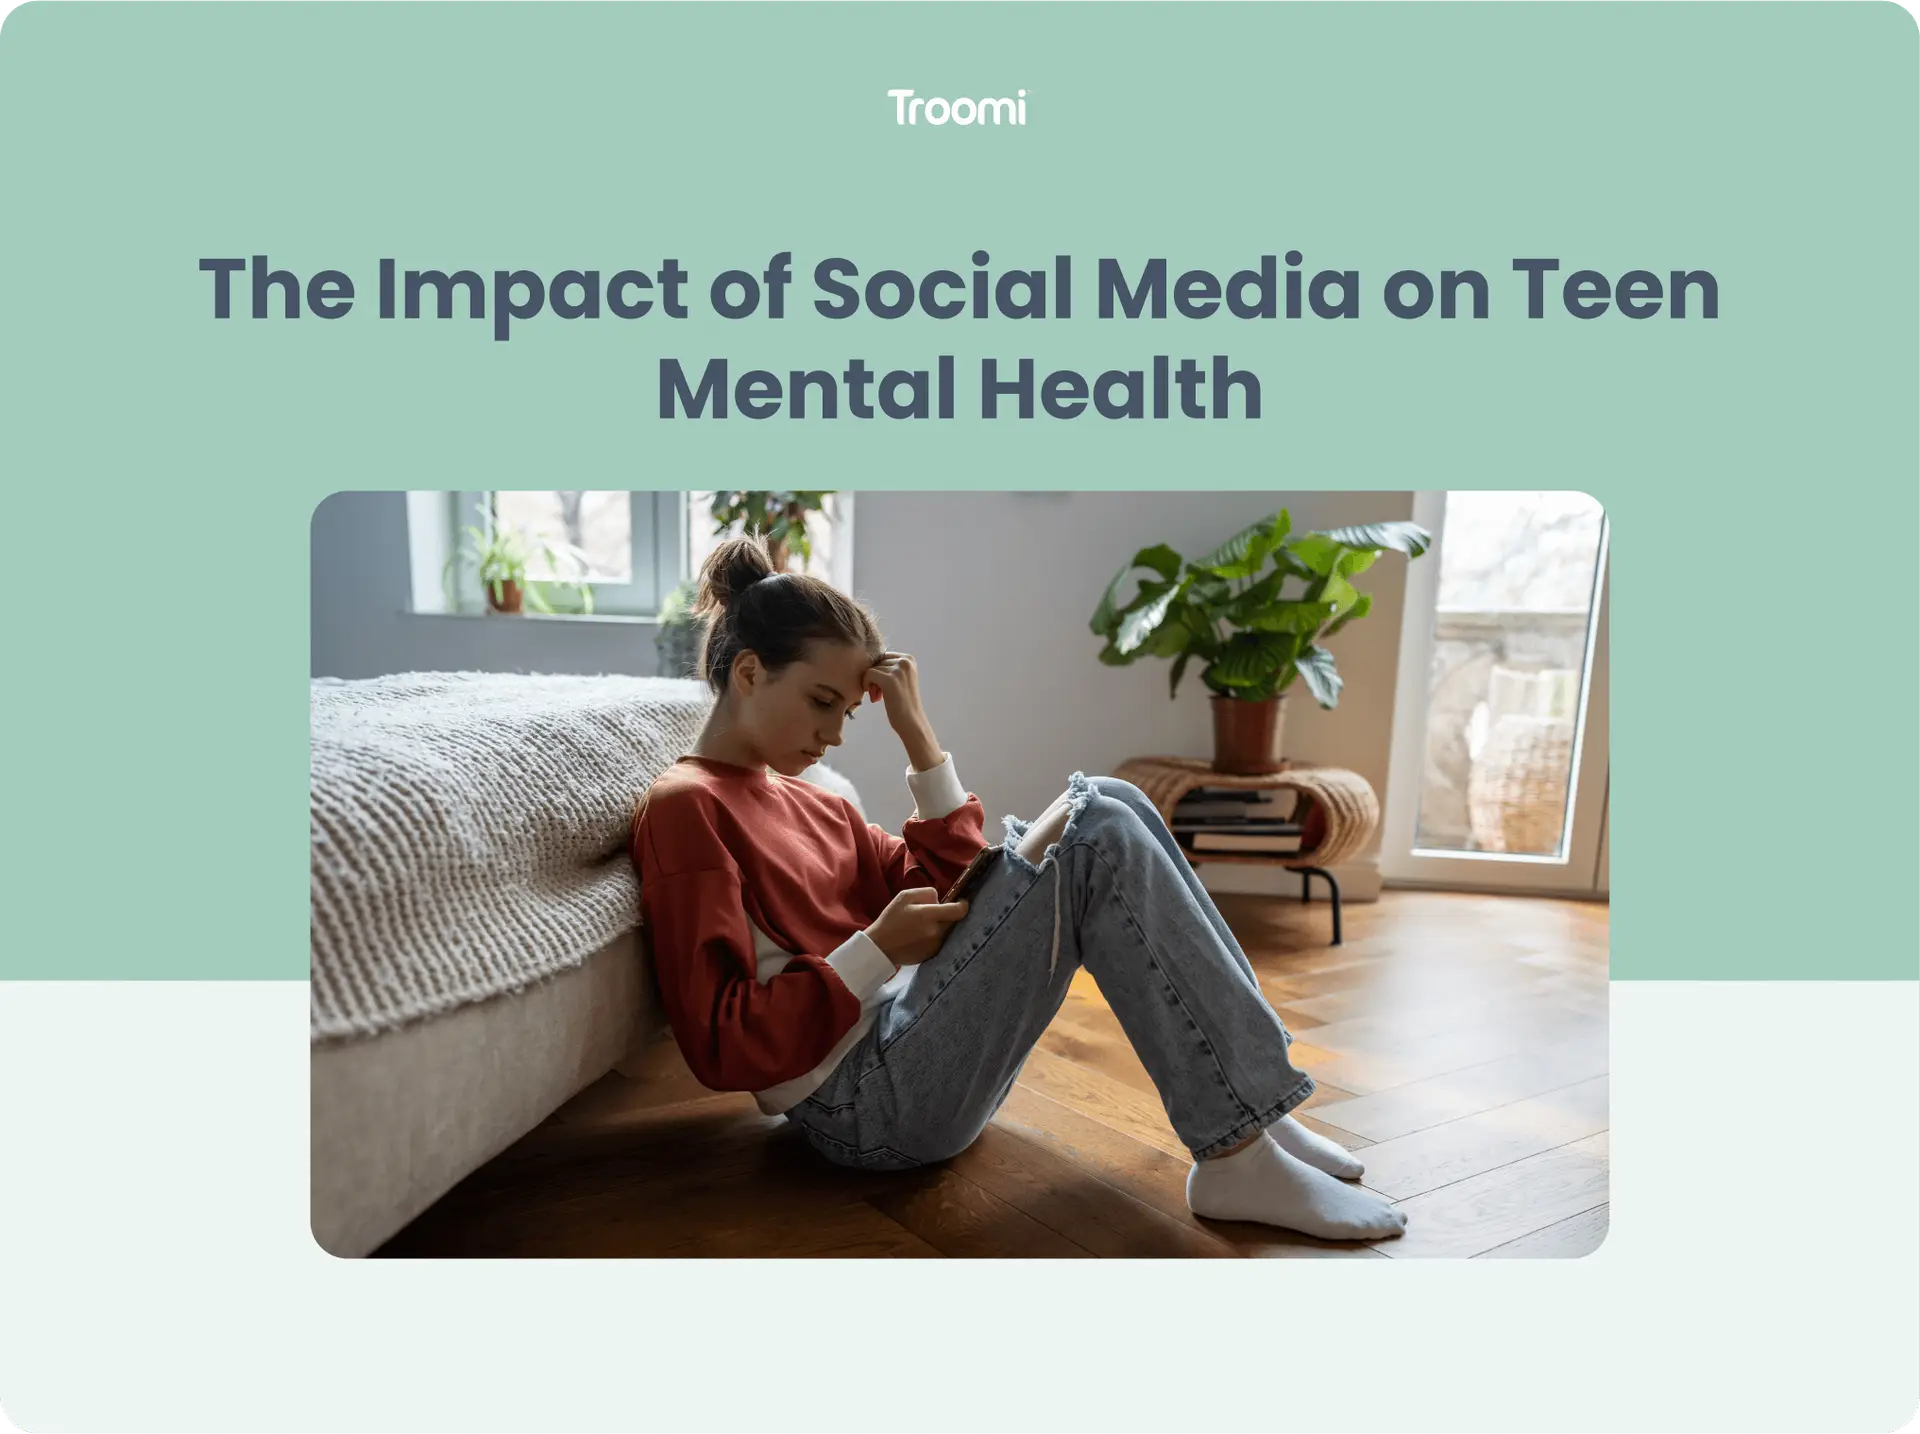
point(401, 1117)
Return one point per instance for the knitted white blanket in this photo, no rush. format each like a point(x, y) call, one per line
point(469, 832)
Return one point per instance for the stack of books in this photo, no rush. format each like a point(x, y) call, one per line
point(1230, 819)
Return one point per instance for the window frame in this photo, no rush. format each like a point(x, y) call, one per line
point(1579, 869)
point(659, 535)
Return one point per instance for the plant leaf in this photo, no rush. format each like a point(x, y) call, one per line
point(1402, 537)
point(1161, 558)
point(1179, 667)
point(1139, 624)
point(1242, 554)
point(1202, 639)
point(1255, 599)
point(1356, 561)
point(1317, 670)
point(1296, 617)
point(1251, 659)
point(1318, 551)
point(1359, 610)
point(1285, 562)
point(1106, 617)
point(1214, 596)
point(1338, 593)
point(1170, 639)
point(1105, 621)
point(1234, 550)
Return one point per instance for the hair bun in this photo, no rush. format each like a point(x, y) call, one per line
point(730, 570)
point(741, 576)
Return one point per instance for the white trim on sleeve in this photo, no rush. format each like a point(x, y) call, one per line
point(862, 965)
point(936, 791)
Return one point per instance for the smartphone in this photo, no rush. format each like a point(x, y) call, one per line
point(976, 869)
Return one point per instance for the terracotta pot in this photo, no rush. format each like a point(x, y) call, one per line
point(1246, 735)
point(506, 599)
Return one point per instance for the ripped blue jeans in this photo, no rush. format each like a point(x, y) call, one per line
point(1116, 896)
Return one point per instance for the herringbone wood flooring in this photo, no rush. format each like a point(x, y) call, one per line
point(1459, 1041)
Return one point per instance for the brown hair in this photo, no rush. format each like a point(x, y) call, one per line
point(756, 609)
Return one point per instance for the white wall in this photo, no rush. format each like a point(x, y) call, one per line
point(993, 591)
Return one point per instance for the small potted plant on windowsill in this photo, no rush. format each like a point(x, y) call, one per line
point(1225, 611)
point(501, 555)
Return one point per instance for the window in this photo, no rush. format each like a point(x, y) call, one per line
point(830, 534)
point(638, 546)
point(599, 524)
point(1516, 601)
point(1499, 767)
point(635, 543)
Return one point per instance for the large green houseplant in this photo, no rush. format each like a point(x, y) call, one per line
point(781, 516)
point(1231, 611)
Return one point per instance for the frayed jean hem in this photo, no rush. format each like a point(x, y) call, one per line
point(1260, 1122)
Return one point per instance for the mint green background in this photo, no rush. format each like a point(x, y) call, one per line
point(1760, 470)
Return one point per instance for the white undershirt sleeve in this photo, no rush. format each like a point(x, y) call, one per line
point(862, 965)
point(936, 791)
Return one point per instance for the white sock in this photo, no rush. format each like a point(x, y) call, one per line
point(1319, 1152)
point(1264, 1183)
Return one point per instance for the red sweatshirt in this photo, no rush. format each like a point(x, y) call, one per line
point(756, 890)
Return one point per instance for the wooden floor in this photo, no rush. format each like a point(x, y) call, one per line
point(1459, 1041)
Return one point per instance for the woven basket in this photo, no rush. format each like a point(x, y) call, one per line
point(1517, 790)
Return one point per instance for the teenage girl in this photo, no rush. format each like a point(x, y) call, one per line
point(806, 955)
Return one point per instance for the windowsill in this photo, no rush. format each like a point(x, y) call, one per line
point(618, 619)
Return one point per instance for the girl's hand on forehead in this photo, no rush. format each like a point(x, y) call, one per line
point(894, 672)
point(895, 680)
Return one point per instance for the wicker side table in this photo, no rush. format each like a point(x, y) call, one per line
point(1336, 809)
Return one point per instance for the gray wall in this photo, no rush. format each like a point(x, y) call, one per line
point(991, 591)
point(363, 626)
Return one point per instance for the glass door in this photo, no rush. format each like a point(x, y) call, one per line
point(1499, 770)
